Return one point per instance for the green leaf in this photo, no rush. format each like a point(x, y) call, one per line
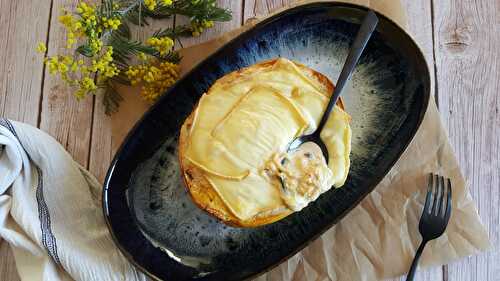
point(136, 14)
point(201, 10)
point(174, 33)
point(160, 12)
point(85, 50)
point(173, 57)
point(123, 48)
point(111, 99)
point(121, 78)
point(123, 30)
point(106, 8)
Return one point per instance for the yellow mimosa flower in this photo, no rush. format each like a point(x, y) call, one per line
point(41, 48)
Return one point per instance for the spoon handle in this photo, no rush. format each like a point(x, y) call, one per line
point(365, 31)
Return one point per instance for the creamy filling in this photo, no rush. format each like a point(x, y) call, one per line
point(301, 175)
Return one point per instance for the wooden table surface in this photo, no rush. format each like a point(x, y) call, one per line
point(461, 41)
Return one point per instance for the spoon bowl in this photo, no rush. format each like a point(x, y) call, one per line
point(296, 143)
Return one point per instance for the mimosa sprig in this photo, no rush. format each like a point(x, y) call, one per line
point(102, 53)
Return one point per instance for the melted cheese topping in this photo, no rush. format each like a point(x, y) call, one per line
point(246, 118)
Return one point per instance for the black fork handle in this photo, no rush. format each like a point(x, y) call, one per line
point(367, 27)
point(414, 264)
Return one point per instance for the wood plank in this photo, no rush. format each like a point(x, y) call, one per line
point(62, 116)
point(8, 269)
point(21, 74)
point(254, 8)
point(101, 147)
point(468, 79)
point(21, 67)
point(419, 26)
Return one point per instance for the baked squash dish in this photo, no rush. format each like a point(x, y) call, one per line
point(233, 146)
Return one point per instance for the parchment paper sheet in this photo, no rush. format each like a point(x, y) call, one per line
point(377, 239)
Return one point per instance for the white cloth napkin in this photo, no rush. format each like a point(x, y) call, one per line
point(50, 212)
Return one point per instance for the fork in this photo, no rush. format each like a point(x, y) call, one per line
point(435, 215)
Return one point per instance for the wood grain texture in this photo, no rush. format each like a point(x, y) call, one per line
point(8, 271)
point(419, 15)
point(62, 116)
point(101, 145)
point(20, 66)
point(468, 78)
point(254, 8)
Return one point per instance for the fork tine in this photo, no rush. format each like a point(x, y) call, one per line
point(435, 195)
point(447, 212)
point(440, 207)
point(428, 197)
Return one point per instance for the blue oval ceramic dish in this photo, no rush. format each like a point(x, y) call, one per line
point(147, 208)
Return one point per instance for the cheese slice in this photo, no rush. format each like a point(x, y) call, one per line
point(337, 137)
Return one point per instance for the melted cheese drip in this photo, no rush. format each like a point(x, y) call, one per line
point(244, 119)
point(302, 174)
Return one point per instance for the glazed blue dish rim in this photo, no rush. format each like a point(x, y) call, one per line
point(108, 183)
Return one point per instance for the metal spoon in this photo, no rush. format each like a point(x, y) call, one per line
point(365, 31)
